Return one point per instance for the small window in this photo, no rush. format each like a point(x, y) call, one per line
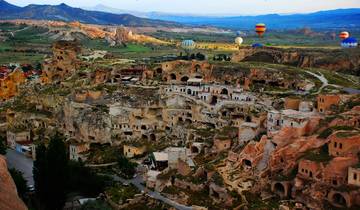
point(335, 144)
point(340, 145)
point(355, 176)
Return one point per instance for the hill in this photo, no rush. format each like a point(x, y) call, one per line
point(64, 12)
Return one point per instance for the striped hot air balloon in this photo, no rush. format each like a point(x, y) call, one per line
point(260, 29)
point(344, 35)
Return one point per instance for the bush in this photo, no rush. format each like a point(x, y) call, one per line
point(2, 146)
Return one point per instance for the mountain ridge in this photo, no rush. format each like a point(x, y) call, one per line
point(338, 18)
point(64, 12)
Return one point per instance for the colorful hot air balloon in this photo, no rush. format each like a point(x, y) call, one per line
point(350, 42)
point(239, 41)
point(344, 35)
point(188, 45)
point(260, 29)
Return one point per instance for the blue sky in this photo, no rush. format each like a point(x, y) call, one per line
point(209, 6)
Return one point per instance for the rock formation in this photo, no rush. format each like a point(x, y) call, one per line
point(9, 199)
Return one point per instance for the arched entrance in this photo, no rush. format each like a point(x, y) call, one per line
point(247, 162)
point(184, 79)
point(279, 189)
point(194, 150)
point(213, 100)
point(152, 137)
point(339, 199)
point(172, 76)
point(224, 91)
point(159, 70)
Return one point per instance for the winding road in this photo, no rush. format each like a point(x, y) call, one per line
point(137, 183)
point(21, 163)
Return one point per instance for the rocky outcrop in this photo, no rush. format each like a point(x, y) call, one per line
point(124, 35)
point(9, 199)
point(336, 60)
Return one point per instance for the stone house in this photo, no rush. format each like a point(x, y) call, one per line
point(303, 122)
point(175, 154)
point(354, 176)
point(131, 151)
point(292, 103)
point(17, 136)
point(78, 150)
point(344, 143)
point(309, 169)
point(248, 131)
point(222, 144)
point(325, 102)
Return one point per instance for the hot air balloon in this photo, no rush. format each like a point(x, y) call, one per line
point(350, 42)
point(239, 41)
point(257, 45)
point(188, 45)
point(344, 35)
point(260, 29)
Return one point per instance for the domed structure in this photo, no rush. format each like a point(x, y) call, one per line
point(350, 42)
point(188, 44)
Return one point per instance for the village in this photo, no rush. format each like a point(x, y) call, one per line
point(195, 128)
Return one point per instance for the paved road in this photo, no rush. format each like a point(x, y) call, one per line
point(20, 162)
point(137, 182)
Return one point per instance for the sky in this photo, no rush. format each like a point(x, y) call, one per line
point(238, 7)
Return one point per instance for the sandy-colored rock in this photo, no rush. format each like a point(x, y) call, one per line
point(9, 199)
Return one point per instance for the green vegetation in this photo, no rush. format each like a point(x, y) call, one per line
point(119, 193)
point(218, 180)
point(20, 182)
point(191, 178)
point(319, 155)
point(102, 154)
point(255, 202)
point(97, 44)
point(55, 176)
point(95, 205)
point(328, 131)
point(127, 168)
point(50, 173)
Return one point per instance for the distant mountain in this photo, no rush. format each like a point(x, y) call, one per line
point(341, 18)
point(64, 12)
point(104, 8)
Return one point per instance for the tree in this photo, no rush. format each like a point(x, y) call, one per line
point(20, 182)
point(127, 168)
point(84, 180)
point(39, 172)
point(2, 146)
point(50, 173)
point(57, 173)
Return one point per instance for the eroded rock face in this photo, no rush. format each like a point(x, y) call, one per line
point(9, 199)
point(284, 158)
point(124, 35)
point(335, 60)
